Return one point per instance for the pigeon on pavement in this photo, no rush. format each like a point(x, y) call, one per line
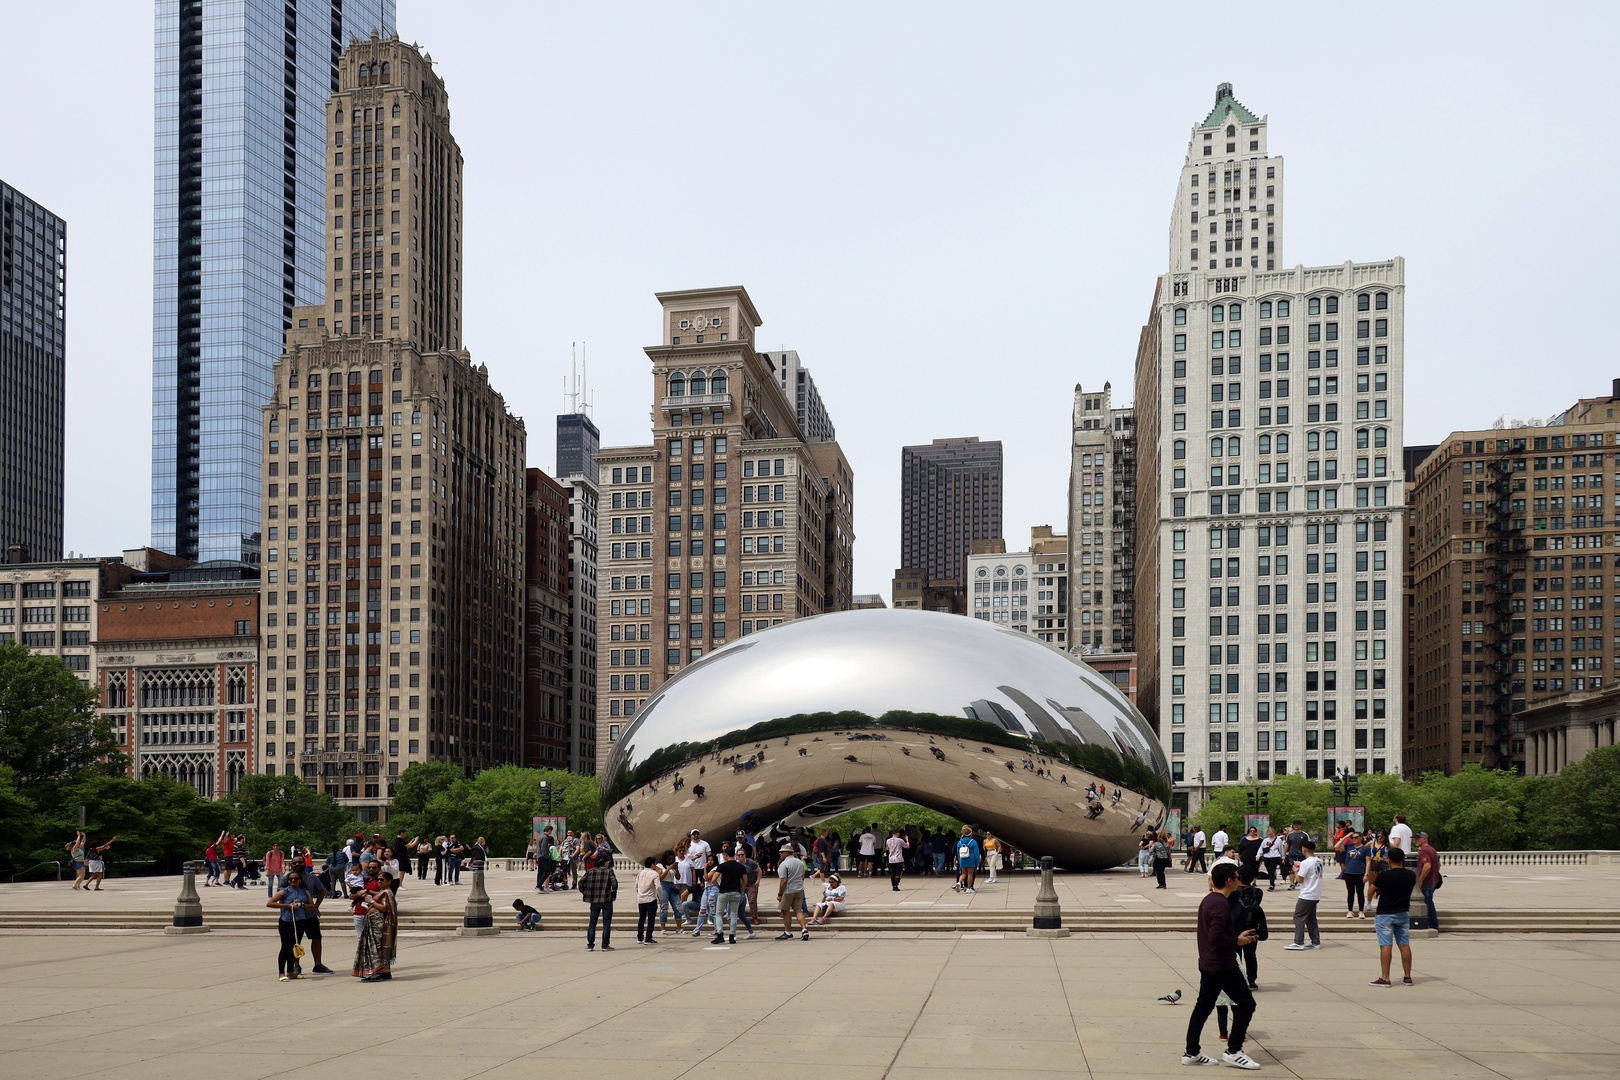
point(1171, 999)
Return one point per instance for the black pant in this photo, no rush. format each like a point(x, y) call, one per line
point(894, 873)
point(1251, 960)
point(605, 913)
point(1271, 869)
point(1158, 871)
point(1355, 891)
point(645, 914)
point(452, 872)
point(438, 869)
point(544, 875)
point(421, 867)
point(1195, 861)
point(1210, 985)
point(285, 961)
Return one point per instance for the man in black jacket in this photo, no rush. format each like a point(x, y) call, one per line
point(1218, 971)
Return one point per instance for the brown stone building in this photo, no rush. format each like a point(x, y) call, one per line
point(393, 473)
point(1510, 598)
point(177, 657)
point(729, 523)
point(912, 589)
point(545, 627)
point(950, 496)
point(1117, 668)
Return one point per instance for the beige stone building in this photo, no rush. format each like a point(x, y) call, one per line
point(1562, 731)
point(1102, 524)
point(393, 484)
point(729, 523)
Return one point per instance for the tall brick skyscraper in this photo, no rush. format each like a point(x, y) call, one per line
point(394, 474)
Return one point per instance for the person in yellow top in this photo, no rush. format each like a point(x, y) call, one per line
point(992, 855)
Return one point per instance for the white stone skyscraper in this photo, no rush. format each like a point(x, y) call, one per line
point(1270, 531)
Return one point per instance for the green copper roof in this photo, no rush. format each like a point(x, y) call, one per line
point(1223, 101)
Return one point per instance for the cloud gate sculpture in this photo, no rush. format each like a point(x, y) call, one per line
point(818, 716)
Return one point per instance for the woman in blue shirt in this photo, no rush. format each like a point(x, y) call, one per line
point(295, 904)
point(1356, 855)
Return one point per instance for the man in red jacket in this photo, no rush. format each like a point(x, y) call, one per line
point(1218, 971)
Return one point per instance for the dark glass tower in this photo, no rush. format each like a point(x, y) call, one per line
point(238, 240)
point(577, 444)
point(33, 332)
point(950, 496)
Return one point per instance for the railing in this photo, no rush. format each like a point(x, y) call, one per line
point(48, 862)
point(1452, 859)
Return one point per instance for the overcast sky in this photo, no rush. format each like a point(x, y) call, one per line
point(953, 212)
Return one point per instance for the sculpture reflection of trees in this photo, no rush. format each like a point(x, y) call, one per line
point(1100, 761)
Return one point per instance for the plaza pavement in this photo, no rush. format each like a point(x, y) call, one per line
point(847, 1006)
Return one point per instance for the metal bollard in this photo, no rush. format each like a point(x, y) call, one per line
point(1048, 920)
point(188, 916)
point(478, 918)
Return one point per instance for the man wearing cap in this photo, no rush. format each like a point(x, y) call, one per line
point(1428, 876)
point(790, 893)
point(698, 849)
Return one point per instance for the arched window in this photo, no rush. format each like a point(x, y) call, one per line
point(1217, 313)
point(1265, 309)
point(1380, 436)
point(1282, 443)
point(1332, 441)
point(1231, 130)
point(1234, 446)
point(385, 71)
point(1265, 444)
point(376, 375)
point(1235, 313)
point(717, 382)
point(677, 385)
point(1313, 441)
point(1361, 438)
point(1381, 301)
point(1217, 446)
point(700, 385)
point(1181, 316)
point(1178, 449)
point(1282, 309)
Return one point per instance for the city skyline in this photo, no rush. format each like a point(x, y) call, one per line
point(1011, 243)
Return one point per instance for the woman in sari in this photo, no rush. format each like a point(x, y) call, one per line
point(374, 953)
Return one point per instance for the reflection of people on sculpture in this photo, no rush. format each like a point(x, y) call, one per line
point(849, 757)
point(697, 789)
point(906, 750)
point(973, 776)
point(803, 751)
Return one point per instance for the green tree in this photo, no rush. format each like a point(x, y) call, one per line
point(156, 819)
point(1580, 808)
point(19, 835)
point(415, 789)
point(286, 811)
point(499, 804)
point(49, 729)
point(1486, 825)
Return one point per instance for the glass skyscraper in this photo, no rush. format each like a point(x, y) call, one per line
point(238, 241)
point(33, 369)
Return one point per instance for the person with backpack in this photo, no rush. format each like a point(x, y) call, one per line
point(967, 859)
point(1248, 914)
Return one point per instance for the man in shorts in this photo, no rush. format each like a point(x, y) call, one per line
point(1393, 891)
point(790, 893)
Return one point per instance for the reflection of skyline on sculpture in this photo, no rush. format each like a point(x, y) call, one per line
point(946, 712)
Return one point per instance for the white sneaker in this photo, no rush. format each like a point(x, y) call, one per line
point(1197, 1059)
point(1239, 1060)
point(1314, 945)
point(1295, 947)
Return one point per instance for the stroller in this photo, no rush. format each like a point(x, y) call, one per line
point(250, 871)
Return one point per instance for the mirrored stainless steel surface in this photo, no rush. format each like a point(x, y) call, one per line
point(809, 719)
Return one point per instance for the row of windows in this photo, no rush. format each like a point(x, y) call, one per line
point(46, 639)
point(1374, 356)
point(71, 614)
point(43, 590)
point(1314, 414)
point(1315, 386)
point(1315, 593)
point(1315, 305)
point(1315, 441)
point(1229, 742)
point(699, 384)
